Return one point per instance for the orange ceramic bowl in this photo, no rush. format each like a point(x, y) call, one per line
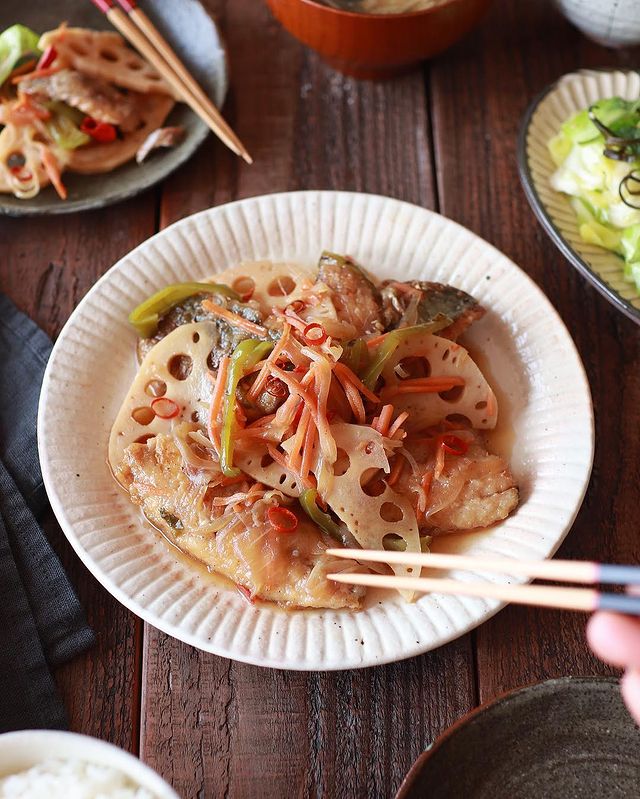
point(377, 45)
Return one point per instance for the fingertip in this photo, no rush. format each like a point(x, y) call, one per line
point(615, 638)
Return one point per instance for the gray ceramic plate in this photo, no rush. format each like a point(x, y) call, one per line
point(563, 739)
point(194, 36)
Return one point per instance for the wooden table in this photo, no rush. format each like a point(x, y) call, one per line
point(442, 137)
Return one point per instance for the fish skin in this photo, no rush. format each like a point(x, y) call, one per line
point(94, 97)
point(437, 300)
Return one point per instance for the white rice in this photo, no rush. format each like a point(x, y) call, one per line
point(70, 779)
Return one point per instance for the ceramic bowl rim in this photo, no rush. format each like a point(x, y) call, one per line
point(542, 215)
point(445, 736)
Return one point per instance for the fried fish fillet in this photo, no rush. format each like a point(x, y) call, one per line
point(288, 568)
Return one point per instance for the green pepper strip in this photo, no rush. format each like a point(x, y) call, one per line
point(392, 341)
point(146, 316)
point(245, 356)
point(323, 520)
point(356, 355)
point(399, 544)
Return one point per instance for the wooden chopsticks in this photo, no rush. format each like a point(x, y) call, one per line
point(138, 29)
point(585, 599)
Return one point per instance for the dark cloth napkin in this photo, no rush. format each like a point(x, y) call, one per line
point(42, 623)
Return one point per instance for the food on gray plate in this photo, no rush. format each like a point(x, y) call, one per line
point(75, 100)
point(280, 410)
point(597, 155)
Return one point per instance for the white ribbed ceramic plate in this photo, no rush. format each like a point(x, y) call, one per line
point(527, 351)
point(555, 105)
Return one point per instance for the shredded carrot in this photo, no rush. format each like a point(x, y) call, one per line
point(262, 421)
point(434, 386)
point(373, 342)
point(24, 69)
point(439, 467)
point(428, 381)
point(295, 387)
point(397, 470)
point(53, 170)
point(386, 414)
point(295, 456)
point(338, 399)
point(235, 319)
point(307, 454)
point(398, 423)
point(216, 401)
point(276, 352)
point(277, 456)
point(352, 377)
point(425, 483)
point(37, 73)
point(353, 397)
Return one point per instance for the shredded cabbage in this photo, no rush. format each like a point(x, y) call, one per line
point(593, 180)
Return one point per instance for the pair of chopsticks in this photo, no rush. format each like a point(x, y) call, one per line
point(548, 596)
point(137, 28)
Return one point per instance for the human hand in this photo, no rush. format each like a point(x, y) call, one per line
point(616, 639)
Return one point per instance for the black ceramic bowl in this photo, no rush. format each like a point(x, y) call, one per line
point(193, 35)
point(570, 738)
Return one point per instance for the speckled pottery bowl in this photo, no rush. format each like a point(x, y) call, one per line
point(570, 738)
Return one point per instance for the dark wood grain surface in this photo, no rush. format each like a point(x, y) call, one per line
point(442, 137)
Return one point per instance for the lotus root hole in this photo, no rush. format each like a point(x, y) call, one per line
point(244, 285)
point(134, 65)
point(341, 466)
point(393, 541)
point(445, 355)
point(195, 338)
point(108, 55)
point(372, 488)
point(481, 405)
point(390, 512)
point(414, 366)
point(180, 366)
point(143, 415)
point(78, 48)
point(16, 160)
point(266, 460)
point(156, 388)
point(460, 420)
point(453, 394)
point(283, 479)
point(281, 286)
point(143, 439)
point(194, 417)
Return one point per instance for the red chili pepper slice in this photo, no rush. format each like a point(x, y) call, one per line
point(22, 174)
point(165, 408)
point(247, 295)
point(297, 306)
point(102, 132)
point(282, 519)
point(276, 387)
point(47, 58)
point(454, 445)
point(315, 334)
